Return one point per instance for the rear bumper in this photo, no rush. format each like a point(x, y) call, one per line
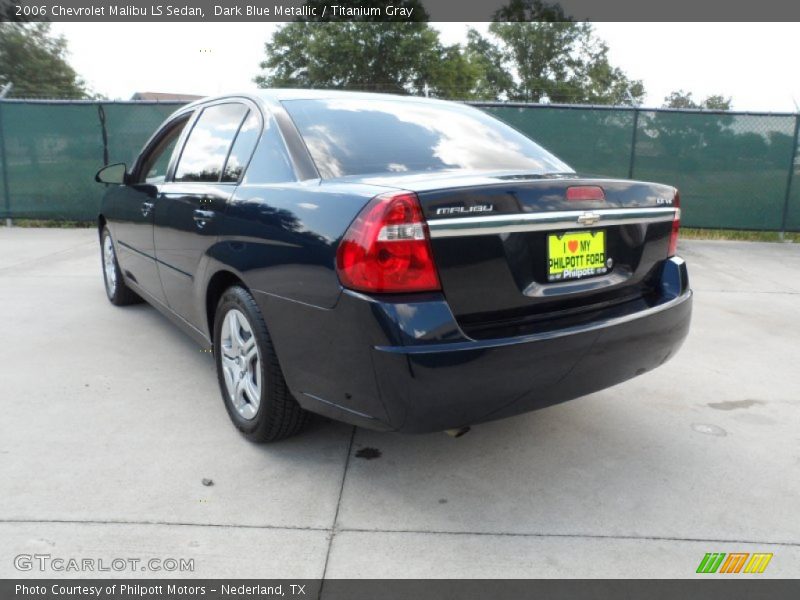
point(404, 366)
point(447, 386)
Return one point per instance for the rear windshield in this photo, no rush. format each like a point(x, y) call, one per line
point(351, 136)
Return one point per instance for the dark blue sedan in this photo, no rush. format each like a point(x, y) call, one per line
point(393, 262)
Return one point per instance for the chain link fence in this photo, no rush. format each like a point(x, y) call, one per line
point(51, 151)
point(735, 170)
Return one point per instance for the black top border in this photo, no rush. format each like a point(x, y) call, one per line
point(388, 10)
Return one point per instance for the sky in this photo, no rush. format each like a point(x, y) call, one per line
point(749, 62)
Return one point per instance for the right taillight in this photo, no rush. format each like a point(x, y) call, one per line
point(676, 225)
point(386, 249)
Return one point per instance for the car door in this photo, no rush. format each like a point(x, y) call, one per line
point(191, 205)
point(134, 209)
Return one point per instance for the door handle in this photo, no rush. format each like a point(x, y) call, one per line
point(147, 207)
point(202, 217)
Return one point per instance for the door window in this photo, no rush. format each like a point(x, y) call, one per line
point(155, 165)
point(207, 148)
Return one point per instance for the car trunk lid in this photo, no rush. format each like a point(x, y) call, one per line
point(493, 242)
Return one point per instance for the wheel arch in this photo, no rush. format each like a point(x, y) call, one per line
point(219, 282)
point(101, 223)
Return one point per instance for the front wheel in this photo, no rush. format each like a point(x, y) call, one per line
point(253, 388)
point(117, 290)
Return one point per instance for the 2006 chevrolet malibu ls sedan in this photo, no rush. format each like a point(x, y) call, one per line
point(397, 263)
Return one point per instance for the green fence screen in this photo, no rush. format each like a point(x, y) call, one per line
point(52, 150)
point(734, 170)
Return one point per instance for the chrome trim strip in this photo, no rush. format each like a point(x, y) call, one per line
point(544, 221)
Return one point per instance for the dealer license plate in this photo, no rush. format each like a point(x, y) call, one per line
point(576, 254)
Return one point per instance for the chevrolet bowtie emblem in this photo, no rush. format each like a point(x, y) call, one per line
point(588, 218)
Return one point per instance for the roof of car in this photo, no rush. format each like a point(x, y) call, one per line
point(302, 94)
point(281, 94)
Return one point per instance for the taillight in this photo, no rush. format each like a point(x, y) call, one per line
point(676, 225)
point(386, 248)
point(585, 192)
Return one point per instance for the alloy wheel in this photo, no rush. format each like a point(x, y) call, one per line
point(109, 266)
point(241, 364)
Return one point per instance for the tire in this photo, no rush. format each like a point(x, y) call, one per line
point(117, 290)
point(251, 382)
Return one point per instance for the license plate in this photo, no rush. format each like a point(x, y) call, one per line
point(575, 255)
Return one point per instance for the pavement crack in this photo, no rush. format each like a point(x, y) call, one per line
point(601, 536)
point(334, 528)
point(159, 523)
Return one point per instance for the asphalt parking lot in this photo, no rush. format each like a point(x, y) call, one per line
point(111, 419)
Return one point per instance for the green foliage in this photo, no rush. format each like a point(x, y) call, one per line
point(454, 75)
point(34, 61)
point(681, 99)
point(55, 223)
point(553, 58)
point(531, 10)
point(386, 57)
point(717, 102)
point(361, 53)
point(563, 62)
point(493, 80)
point(534, 53)
point(739, 235)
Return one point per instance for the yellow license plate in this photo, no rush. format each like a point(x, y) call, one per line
point(576, 254)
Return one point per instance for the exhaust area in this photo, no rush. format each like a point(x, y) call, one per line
point(458, 432)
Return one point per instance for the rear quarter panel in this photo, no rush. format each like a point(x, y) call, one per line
point(282, 239)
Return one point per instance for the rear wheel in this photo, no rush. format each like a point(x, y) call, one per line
point(253, 388)
point(117, 290)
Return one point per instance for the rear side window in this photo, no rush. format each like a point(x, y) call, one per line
point(242, 148)
point(207, 148)
point(355, 136)
point(270, 163)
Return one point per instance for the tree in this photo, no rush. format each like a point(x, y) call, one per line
point(717, 102)
point(385, 57)
point(8, 12)
point(34, 61)
point(558, 59)
point(531, 10)
point(681, 99)
point(493, 80)
point(554, 58)
point(365, 53)
point(454, 75)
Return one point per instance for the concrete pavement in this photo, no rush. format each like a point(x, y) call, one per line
point(111, 419)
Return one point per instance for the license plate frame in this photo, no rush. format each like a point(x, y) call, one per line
point(589, 259)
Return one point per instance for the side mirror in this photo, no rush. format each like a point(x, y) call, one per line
point(115, 174)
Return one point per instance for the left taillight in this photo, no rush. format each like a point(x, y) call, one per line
point(676, 226)
point(387, 248)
